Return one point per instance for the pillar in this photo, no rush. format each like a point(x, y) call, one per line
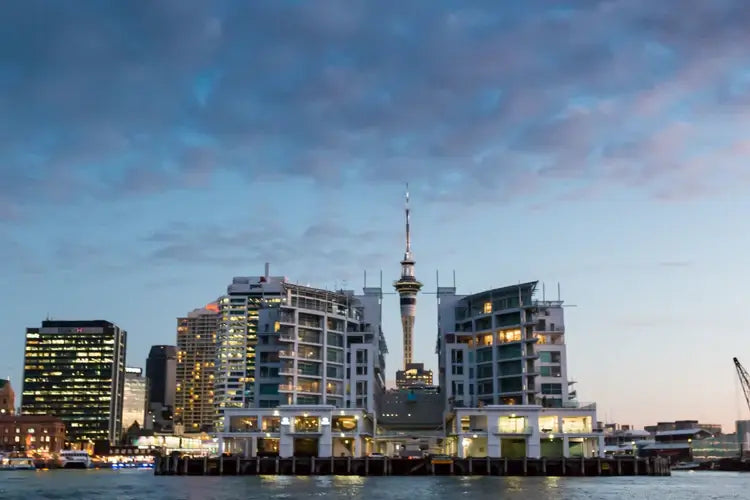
point(566, 447)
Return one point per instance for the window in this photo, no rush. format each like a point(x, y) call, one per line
point(306, 424)
point(457, 356)
point(549, 357)
point(550, 371)
point(361, 388)
point(457, 370)
point(484, 371)
point(551, 389)
point(362, 370)
point(361, 356)
point(487, 307)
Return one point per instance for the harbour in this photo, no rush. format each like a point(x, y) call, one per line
point(387, 466)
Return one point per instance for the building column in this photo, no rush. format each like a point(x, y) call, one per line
point(600, 450)
point(460, 450)
point(357, 446)
point(566, 446)
point(533, 440)
point(221, 445)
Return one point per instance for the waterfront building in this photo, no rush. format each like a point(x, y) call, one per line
point(408, 287)
point(681, 425)
point(298, 430)
point(237, 338)
point(7, 397)
point(500, 347)
point(196, 359)
point(35, 433)
point(319, 347)
point(75, 370)
point(411, 422)
point(517, 431)
point(134, 398)
point(413, 376)
point(161, 372)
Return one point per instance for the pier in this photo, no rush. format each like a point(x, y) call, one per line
point(386, 466)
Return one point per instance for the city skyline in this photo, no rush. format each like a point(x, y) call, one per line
point(153, 152)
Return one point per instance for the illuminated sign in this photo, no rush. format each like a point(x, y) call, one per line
point(285, 421)
point(325, 421)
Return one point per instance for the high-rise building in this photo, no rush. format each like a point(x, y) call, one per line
point(407, 287)
point(161, 372)
point(196, 358)
point(134, 398)
point(75, 370)
point(502, 346)
point(319, 347)
point(7, 397)
point(237, 337)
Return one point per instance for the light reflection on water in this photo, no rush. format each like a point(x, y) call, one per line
point(143, 485)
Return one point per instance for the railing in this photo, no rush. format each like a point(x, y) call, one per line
point(579, 405)
point(519, 430)
point(287, 354)
point(289, 388)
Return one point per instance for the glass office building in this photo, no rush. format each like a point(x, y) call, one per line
point(75, 370)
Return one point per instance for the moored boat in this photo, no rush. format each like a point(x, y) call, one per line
point(17, 463)
point(74, 459)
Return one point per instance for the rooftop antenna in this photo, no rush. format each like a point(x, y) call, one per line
point(544, 293)
point(558, 291)
point(365, 278)
point(454, 278)
point(408, 232)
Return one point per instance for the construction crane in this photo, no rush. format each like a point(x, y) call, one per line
point(744, 380)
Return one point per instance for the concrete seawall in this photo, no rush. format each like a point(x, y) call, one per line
point(385, 466)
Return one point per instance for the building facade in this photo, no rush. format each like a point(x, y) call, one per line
point(237, 338)
point(35, 433)
point(7, 398)
point(414, 375)
point(161, 372)
point(502, 347)
point(321, 347)
point(300, 430)
point(134, 398)
point(75, 370)
point(196, 360)
point(524, 431)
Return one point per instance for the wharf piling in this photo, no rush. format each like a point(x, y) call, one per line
point(387, 466)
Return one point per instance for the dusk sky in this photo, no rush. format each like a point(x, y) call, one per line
point(150, 151)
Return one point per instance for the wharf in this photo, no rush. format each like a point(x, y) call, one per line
point(386, 466)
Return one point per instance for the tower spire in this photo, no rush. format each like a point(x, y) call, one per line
point(408, 231)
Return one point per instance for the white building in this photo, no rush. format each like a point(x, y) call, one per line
point(299, 430)
point(237, 338)
point(321, 348)
point(279, 343)
point(524, 431)
point(502, 346)
point(134, 398)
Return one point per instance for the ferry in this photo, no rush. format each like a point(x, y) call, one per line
point(17, 463)
point(74, 459)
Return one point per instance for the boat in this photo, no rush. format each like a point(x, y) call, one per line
point(686, 466)
point(74, 459)
point(17, 463)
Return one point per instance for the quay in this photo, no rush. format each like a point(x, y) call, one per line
point(386, 466)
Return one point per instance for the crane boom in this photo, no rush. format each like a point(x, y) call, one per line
point(744, 380)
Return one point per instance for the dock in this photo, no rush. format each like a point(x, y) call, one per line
point(386, 466)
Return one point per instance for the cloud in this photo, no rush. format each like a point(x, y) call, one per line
point(318, 253)
point(136, 98)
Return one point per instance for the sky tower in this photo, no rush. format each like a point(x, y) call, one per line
point(407, 288)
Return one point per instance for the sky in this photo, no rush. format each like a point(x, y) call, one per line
point(150, 151)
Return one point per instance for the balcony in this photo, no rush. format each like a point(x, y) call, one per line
point(514, 431)
point(287, 354)
point(579, 405)
point(289, 388)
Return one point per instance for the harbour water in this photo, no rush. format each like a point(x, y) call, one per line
point(143, 485)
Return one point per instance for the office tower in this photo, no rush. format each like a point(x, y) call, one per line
point(237, 337)
point(134, 399)
point(502, 346)
point(408, 287)
point(75, 370)
point(196, 358)
point(319, 347)
point(161, 372)
point(7, 397)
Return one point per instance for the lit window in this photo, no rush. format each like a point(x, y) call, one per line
point(487, 307)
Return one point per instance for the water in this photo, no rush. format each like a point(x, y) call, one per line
point(143, 485)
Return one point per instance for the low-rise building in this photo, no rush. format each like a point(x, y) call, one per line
point(7, 397)
point(414, 375)
point(34, 433)
point(524, 431)
point(297, 430)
